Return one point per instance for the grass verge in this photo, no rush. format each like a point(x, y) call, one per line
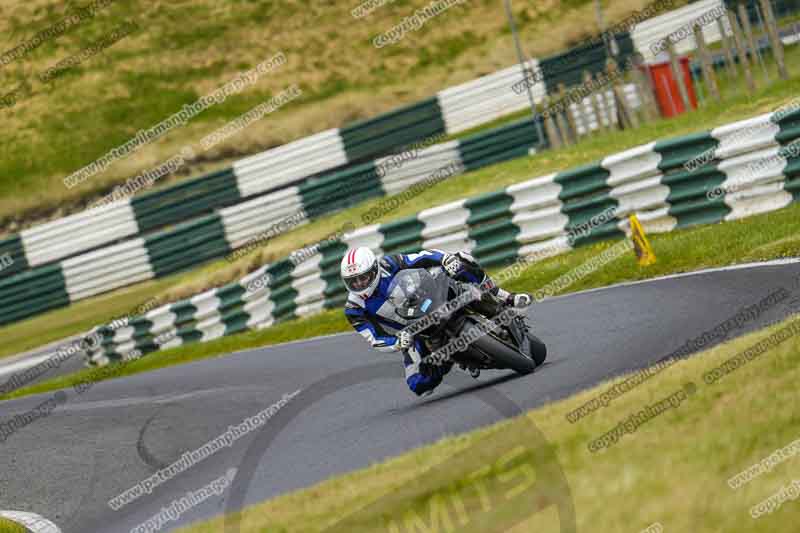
point(759, 238)
point(673, 470)
point(7, 526)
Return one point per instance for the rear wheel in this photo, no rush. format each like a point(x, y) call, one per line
point(503, 355)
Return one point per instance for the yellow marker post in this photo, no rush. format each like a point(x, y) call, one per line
point(644, 252)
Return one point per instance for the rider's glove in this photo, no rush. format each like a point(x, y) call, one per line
point(451, 265)
point(404, 340)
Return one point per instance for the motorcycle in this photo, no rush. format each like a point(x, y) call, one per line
point(460, 322)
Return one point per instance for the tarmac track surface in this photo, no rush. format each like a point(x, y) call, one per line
point(95, 445)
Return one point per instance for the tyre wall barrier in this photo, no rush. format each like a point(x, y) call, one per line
point(729, 173)
point(248, 224)
point(288, 167)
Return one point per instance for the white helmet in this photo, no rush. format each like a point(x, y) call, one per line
point(360, 271)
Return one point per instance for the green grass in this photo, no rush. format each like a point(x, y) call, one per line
point(7, 526)
point(93, 311)
point(763, 237)
point(673, 470)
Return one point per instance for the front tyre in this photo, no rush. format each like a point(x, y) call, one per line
point(504, 356)
point(538, 349)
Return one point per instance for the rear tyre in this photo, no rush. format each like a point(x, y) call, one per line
point(504, 356)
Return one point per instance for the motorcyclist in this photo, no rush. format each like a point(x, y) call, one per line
point(367, 280)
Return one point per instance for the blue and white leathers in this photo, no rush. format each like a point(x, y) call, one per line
point(377, 321)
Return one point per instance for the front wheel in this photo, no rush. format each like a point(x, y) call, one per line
point(538, 349)
point(504, 356)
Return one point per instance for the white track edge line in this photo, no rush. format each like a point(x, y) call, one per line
point(743, 266)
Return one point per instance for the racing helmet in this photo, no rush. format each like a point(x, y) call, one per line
point(360, 271)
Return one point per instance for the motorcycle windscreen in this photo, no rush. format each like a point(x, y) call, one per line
point(416, 292)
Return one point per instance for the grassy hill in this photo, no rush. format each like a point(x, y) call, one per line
point(184, 49)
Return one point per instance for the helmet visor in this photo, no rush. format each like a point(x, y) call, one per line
point(360, 282)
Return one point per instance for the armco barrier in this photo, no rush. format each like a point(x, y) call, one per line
point(533, 218)
point(487, 98)
point(217, 234)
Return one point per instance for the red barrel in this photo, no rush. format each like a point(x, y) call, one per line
point(666, 87)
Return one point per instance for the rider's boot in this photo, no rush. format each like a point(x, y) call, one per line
point(496, 299)
point(474, 372)
point(519, 300)
point(471, 267)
